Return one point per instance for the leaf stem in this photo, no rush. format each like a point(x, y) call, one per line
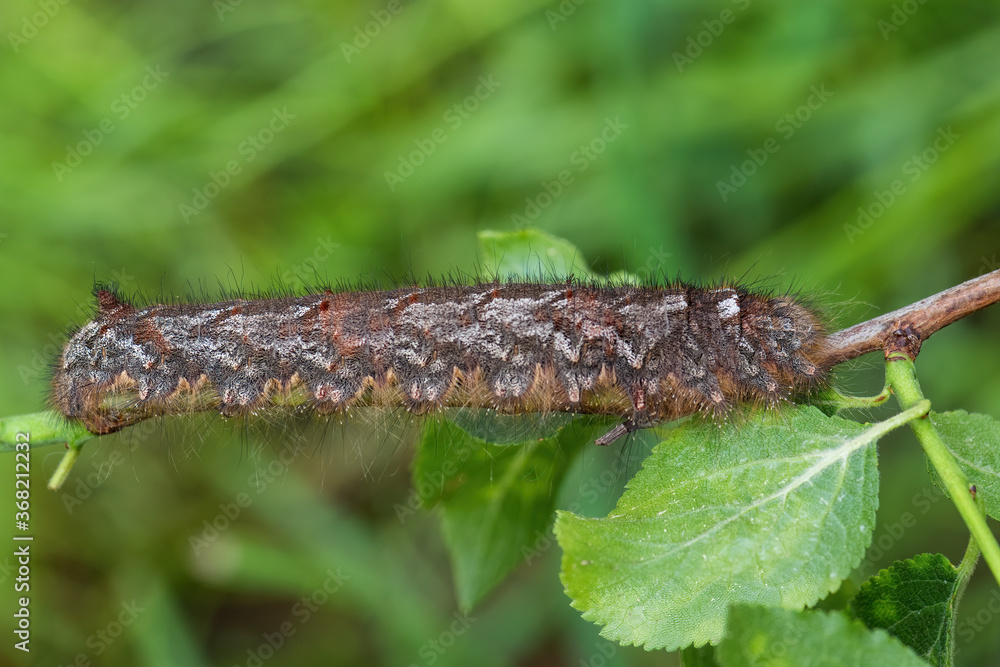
point(46, 428)
point(65, 465)
point(965, 570)
point(902, 377)
point(834, 398)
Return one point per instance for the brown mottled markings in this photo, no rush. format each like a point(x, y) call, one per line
point(647, 354)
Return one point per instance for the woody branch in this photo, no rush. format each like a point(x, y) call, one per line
point(913, 324)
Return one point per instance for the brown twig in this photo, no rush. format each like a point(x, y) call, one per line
point(908, 327)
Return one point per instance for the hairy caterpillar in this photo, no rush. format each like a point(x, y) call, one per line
point(647, 354)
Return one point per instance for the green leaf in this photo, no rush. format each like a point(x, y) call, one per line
point(914, 600)
point(768, 636)
point(974, 440)
point(532, 253)
point(496, 501)
point(776, 510)
point(42, 428)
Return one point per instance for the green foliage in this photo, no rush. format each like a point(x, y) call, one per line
point(532, 253)
point(46, 428)
point(314, 205)
point(974, 441)
point(914, 600)
point(775, 637)
point(774, 511)
point(496, 501)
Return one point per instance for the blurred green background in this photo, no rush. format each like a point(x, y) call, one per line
point(847, 149)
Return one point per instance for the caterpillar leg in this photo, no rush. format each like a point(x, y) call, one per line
point(618, 431)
